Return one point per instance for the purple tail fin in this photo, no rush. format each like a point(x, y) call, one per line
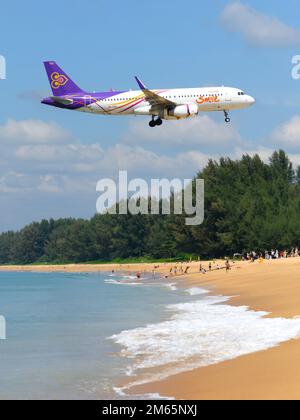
point(60, 82)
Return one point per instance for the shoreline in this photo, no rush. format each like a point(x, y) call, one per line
point(92, 268)
point(271, 374)
point(270, 286)
point(161, 268)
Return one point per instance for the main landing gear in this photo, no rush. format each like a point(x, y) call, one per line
point(155, 122)
point(227, 119)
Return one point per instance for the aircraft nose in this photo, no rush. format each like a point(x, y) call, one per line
point(250, 100)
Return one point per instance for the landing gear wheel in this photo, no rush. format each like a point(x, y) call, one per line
point(152, 124)
point(227, 119)
point(159, 122)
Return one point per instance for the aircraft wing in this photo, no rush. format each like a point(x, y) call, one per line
point(153, 98)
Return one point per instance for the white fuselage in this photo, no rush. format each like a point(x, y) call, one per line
point(199, 99)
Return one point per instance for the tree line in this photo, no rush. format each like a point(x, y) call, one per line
point(249, 205)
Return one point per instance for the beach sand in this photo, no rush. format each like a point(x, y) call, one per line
point(78, 268)
point(272, 374)
point(270, 286)
point(94, 268)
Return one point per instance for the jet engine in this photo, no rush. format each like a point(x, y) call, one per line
point(183, 111)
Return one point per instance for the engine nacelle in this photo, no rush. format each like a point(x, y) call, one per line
point(184, 111)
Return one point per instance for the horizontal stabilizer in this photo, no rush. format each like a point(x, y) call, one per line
point(62, 101)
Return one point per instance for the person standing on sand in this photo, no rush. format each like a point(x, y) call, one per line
point(202, 270)
point(227, 266)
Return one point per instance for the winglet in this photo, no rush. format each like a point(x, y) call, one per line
point(140, 83)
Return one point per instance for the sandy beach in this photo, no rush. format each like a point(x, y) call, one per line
point(270, 286)
point(78, 268)
point(273, 287)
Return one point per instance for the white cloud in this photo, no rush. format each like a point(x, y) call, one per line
point(287, 135)
point(32, 131)
point(71, 152)
point(13, 181)
point(76, 167)
point(200, 131)
point(63, 175)
point(45, 164)
point(89, 160)
point(258, 29)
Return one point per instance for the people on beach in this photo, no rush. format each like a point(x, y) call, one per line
point(202, 269)
point(273, 254)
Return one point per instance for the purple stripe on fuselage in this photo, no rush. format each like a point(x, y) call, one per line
point(81, 101)
point(88, 99)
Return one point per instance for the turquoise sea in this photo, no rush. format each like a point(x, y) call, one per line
point(58, 326)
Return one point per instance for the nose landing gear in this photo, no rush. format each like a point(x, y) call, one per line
point(227, 119)
point(155, 122)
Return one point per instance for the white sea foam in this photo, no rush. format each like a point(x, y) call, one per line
point(172, 286)
point(195, 291)
point(124, 281)
point(121, 283)
point(121, 393)
point(201, 333)
point(129, 277)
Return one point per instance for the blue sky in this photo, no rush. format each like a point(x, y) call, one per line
point(52, 159)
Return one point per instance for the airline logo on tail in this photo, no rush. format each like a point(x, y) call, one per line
point(58, 80)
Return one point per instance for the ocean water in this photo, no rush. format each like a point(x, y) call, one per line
point(76, 336)
point(58, 326)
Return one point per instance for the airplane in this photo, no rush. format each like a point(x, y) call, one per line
point(163, 104)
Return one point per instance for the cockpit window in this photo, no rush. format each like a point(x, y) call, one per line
point(241, 93)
